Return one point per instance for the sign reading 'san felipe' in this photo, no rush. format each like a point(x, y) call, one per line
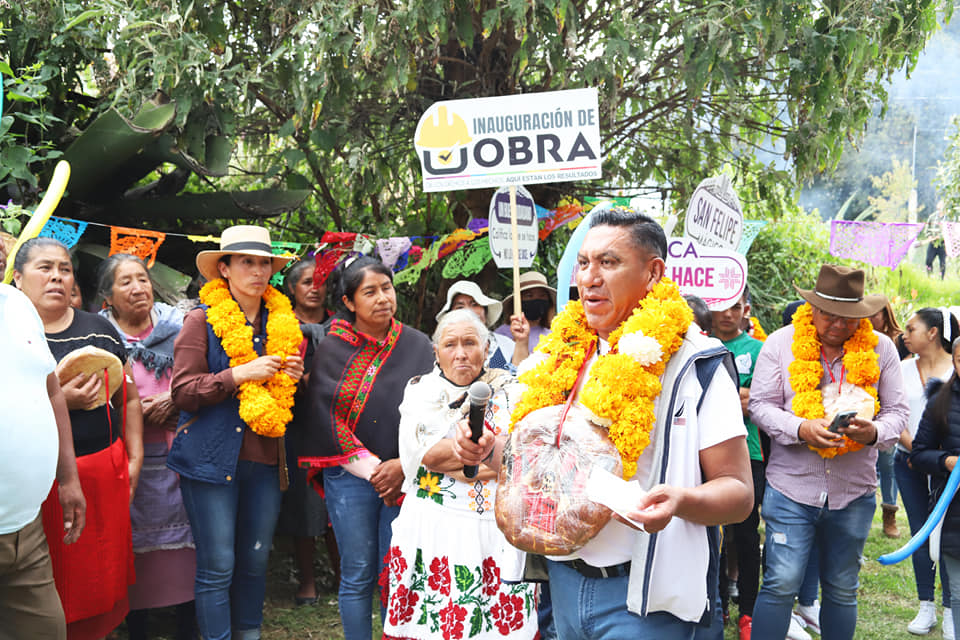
point(716, 275)
point(714, 217)
point(501, 245)
point(518, 139)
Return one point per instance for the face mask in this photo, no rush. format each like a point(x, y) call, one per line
point(534, 310)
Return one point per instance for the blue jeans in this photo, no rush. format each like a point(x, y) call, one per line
point(596, 609)
point(233, 528)
point(362, 525)
point(791, 530)
point(915, 492)
point(951, 565)
point(810, 586)
point(886, 477)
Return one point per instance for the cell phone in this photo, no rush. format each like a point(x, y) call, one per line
point(842, 419)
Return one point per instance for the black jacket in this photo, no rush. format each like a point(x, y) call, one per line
point(931, 447)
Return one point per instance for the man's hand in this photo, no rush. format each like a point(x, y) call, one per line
point(815, 433)
point(74, 507)
point(860, 430)
point(81, 392)
point(657, 508)
point(387, 479)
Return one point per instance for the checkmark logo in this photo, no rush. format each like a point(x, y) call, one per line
point(445, 157)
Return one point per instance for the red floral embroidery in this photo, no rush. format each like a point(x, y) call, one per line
point(451, 621)
point(401, 605)
point(440, 575)
point(384, 582)
point(396, 562)
point(508, 614)
point(491, 577)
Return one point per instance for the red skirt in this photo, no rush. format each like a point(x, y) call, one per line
point(92, 574)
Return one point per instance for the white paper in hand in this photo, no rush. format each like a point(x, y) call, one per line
point(614, 493)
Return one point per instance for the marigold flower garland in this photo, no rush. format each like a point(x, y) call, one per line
point(623, 384)
point(265, 405)
point(758, 332)
point(806, 371)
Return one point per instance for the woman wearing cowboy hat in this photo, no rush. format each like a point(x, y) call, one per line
point(538, 301)
point(236, 365)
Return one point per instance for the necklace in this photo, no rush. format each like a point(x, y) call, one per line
point(265, 405)
point(806, 371)
point(623, 383)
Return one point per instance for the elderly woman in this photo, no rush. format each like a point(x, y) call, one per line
point(162, 544)
point(464, 294)
point(538, 301)
point(93, 574)
point(235, 372)
point(355, 390)
point(448, 574)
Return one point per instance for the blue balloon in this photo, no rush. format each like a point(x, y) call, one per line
point(936, 515)
point(568, 261)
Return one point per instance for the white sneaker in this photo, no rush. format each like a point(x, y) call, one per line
point(810, 616)
point(947, 624)
point(925, 620)
point(796, 632)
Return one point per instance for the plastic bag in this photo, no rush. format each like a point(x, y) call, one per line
point(542, 505)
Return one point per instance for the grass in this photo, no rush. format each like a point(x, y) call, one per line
point(888, 598)
point(888, 594)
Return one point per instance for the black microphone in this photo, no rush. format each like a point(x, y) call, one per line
point(479, 393)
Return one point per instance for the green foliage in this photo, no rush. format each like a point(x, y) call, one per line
point(326, 94)
point(909, 288)
point(787, 251)
point(25, 126)
point(948, 172)
point(894, 187)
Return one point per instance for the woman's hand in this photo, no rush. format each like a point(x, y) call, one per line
point(159, 410)
point(262, 368)
point(293, 367)
point(81, 392)
point(386, 480)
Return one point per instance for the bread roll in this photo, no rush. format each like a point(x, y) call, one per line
point(92, 360)
point(541, 505)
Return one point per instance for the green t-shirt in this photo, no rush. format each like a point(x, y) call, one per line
point(745, 350)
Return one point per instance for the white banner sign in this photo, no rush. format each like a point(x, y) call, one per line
point(714, 218)
point(716, 275)
point(501, 246)
point(519, 139)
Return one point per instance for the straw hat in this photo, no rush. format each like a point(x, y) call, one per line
point(241, 239)
point(839, 291)
point(465, 287)
point(533, 280)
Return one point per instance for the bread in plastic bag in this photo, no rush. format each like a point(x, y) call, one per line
point(542, 505)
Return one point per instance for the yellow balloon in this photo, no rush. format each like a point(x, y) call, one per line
point(61, 175)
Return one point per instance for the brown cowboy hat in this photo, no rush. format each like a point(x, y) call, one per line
point(839, 290)
point(243, 239)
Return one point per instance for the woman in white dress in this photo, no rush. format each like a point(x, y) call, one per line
point(446, 553)
point(928, 335)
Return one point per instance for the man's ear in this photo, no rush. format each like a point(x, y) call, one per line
point(657, 268)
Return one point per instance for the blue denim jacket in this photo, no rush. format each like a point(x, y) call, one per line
point(208, 442)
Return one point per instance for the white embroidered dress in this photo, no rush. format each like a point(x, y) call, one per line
point(446, 552)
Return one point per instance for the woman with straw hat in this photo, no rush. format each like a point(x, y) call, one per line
point(538, 302)
point(236, 368)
